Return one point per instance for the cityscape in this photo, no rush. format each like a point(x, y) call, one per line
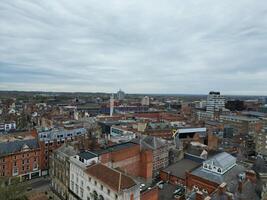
point(133, 100)
point(82, 146)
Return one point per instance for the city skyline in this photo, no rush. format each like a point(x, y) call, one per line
point(173, 47)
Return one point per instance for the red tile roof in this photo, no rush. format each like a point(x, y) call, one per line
point(110, 177)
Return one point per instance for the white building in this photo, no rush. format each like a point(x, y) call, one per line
point(5, 127)
point(92, 180)
point(145, 101)
point(215, 103)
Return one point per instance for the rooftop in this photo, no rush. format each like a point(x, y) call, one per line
point(178, 169)
point(87, 155)
point(230, 177)
point(113, 178)
point(18, 145)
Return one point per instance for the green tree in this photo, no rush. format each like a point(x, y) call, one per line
point(12, 189)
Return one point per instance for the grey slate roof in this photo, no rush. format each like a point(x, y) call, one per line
point(87, 155)
point(230, 177)
point(16, 146)
point(179, 169)
point(223, 160)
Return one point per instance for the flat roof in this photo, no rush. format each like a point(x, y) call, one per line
point(178, 169)
point(87, 155)
point(116, 147)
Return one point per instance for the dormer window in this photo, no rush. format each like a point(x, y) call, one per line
point(219, 170)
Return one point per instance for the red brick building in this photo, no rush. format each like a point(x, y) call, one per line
point(20, 156)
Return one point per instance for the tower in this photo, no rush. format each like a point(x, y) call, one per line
point(111, 105)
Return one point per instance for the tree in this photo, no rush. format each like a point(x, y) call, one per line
point(12, 190)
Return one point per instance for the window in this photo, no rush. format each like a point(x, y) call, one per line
point(101, 197)
point(116, 196)
point(89, 179)
point(95, 183)
point(102, 187)
point(108, 191)
point(81, 191)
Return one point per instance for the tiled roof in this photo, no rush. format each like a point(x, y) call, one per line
point(110, 177)
point(15, 146)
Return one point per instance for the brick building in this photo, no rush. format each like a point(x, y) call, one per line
point(53, 139)
point(128, 157)
point(20, 156)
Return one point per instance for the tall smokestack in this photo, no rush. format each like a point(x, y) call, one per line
point(111, 105)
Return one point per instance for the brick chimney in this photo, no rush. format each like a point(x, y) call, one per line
point(240, 186)
point(222, 188)
point(199, 195)
point(251, 175)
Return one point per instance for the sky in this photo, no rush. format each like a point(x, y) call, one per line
point(152, 46)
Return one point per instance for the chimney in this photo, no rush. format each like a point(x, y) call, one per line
point(251, 175)
point(240, 186)
point(222, 188)
point(199, 195)
point(119, 182)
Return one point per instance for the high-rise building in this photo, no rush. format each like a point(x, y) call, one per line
point(120, 95)
point(145, 101)
point(215, 103)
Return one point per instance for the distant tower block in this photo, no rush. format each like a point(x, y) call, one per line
point(111, 105)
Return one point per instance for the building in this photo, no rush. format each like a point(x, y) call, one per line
point(92, 180)
point(160, 151)
point(60, 169)
point(20, 156)
point(261, 142)
point(128, 157)
point(221, 168)
point(241, 124)
point(215, 104)
point(176, 173)
point(5, 127)
point(145, 101)
point(53, 139)
point(120, 95)
point(120, 134)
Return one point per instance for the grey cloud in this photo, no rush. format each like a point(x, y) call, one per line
point(140, 46)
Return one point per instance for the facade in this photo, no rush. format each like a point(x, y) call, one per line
point(261, 142)
point(5, 127)
point(241, 124)
point(160, 151)
point(20, 158)
point(145, 101)
point(215, 103)
point(92, 180)
point(129, 158)
point(51, 140)
point(60, 169)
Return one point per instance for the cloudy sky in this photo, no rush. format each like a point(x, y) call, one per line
point(173, 46)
